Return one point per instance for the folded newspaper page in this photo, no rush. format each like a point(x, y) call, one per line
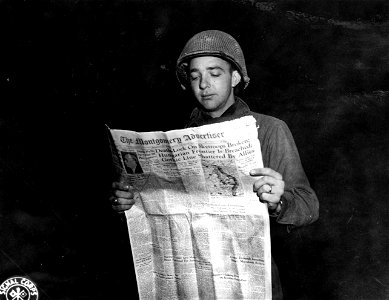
point(197, 229)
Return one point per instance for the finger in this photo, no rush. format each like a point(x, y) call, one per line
point(270, 198)
point(120, 201)
point(265, 172)
point(123, 201)
point(121, 208)
point(272, 206)
point(123, 194)
point(264, 189)
point(118, 185)
point(276, 192)
point(266, 180)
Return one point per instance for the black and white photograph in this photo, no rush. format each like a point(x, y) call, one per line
point(131, 163)
point(314, 74)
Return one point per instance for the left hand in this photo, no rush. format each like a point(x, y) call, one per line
point(270, 187)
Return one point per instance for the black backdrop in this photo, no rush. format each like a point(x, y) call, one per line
point(69, 67)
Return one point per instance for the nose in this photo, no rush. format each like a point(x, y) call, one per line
point(204, 82)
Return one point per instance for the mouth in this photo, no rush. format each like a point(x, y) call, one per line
point(207, 96)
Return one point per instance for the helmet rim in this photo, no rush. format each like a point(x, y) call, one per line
point(222, 45)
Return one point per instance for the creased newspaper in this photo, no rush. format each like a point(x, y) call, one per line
point(197, 229)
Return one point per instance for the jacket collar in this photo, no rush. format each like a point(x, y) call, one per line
point(238, 109)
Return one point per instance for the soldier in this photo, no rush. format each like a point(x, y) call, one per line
point(212, 67)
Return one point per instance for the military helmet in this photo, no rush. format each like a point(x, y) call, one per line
point(211, 43)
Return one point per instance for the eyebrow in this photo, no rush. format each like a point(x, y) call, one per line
point(208, 69)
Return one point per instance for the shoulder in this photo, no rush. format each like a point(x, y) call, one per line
point(273, 132)
point(268, 122)
point(262, 119)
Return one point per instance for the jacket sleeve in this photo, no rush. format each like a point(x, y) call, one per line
point(300, 205)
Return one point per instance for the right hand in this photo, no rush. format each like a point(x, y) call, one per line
point(123, 196)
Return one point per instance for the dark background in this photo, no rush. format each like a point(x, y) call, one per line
point(69, 67)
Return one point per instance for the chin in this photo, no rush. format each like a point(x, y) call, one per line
point(209, 108)
point(209, 105)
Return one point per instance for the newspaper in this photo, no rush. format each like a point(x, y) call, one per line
point(197, 229)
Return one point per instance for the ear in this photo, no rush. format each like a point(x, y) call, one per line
point(182, 74)
point(235, 78)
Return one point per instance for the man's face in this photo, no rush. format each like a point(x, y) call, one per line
point(129, 161)
point(212, 82)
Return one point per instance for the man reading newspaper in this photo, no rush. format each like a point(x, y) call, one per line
point(212, 67)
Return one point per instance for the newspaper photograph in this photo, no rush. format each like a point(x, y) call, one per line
point(197, 230)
